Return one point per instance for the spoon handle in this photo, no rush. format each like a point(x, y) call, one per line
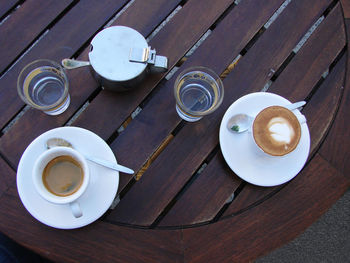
point(72, 64)
point(295, 105)
point(110, 165)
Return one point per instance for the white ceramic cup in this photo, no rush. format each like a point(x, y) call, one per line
point(301, 118)
point(37, 176)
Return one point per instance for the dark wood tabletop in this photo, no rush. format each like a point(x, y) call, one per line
point(184, 203)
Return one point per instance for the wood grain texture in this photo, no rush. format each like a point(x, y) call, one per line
point(148, 13)
point(67, 36)
point(325, 102)
point(176, 164)
point(251, 195)
point(34, 16)
point(82, 85)
point(346, 8)
point(336, 146)
point(263, 228)
point(98, 242)
point(205, 196)
point(7, 5)
point(305, 69)
point(7, 177)
point(277, 44)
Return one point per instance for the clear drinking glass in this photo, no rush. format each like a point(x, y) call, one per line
point(198, 91)
point(43, 84)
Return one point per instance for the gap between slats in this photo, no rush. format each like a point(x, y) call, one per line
point(8, 13)
point(37, 39)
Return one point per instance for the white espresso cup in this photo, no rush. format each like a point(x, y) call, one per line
point(277, 131)
point(61, 175)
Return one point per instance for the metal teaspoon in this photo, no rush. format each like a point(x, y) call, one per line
point(54, 142)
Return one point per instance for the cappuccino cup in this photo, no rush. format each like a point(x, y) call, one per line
point(277, 130)
point(61, 175)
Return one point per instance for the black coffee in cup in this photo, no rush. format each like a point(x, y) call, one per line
point(63, 176)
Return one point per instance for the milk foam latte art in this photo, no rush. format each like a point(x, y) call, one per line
point(276, 130)
point(281, 131)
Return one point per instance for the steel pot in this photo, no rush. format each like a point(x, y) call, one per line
point(120, 58)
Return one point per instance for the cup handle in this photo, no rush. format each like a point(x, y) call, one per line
point(76, 210)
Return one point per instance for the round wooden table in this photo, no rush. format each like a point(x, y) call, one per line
point(184, 203)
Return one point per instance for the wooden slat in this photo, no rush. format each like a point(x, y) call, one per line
point(263, 228)
point(63, 40)
point(250, 196)
point(7, 176)
point(176, 164)
point(148, 13)
point(204, 198)
point(323, 103)
point(322, 108)
point(7, 5)
point(82, 85)
point(313, 59)
point(337, 144)
point(33, 16)
point(346, 8)
point(98, 242)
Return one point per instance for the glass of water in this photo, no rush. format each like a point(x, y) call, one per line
point(43, 84)
point(198, 92)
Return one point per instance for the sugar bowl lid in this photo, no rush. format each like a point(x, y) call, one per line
point(119, 53)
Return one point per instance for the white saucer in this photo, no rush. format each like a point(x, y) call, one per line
point(97, 198)
point(240, 151)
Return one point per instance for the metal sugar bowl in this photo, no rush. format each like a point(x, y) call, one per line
point(120, 58)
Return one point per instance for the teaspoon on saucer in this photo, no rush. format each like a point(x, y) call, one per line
point(54, 142)
point(242, 122)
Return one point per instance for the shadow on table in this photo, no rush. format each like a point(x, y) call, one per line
point(11, 252)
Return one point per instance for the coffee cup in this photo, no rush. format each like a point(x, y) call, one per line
point(61, 175)
point(277, 130)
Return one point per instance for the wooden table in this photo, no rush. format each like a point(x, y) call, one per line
point(184, 204)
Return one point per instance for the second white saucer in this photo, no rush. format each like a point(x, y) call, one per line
point(240, 153)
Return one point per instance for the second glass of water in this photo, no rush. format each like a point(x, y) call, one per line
point(43, 84)
point(198, 92)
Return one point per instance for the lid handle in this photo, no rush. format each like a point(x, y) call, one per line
point(148, 55)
